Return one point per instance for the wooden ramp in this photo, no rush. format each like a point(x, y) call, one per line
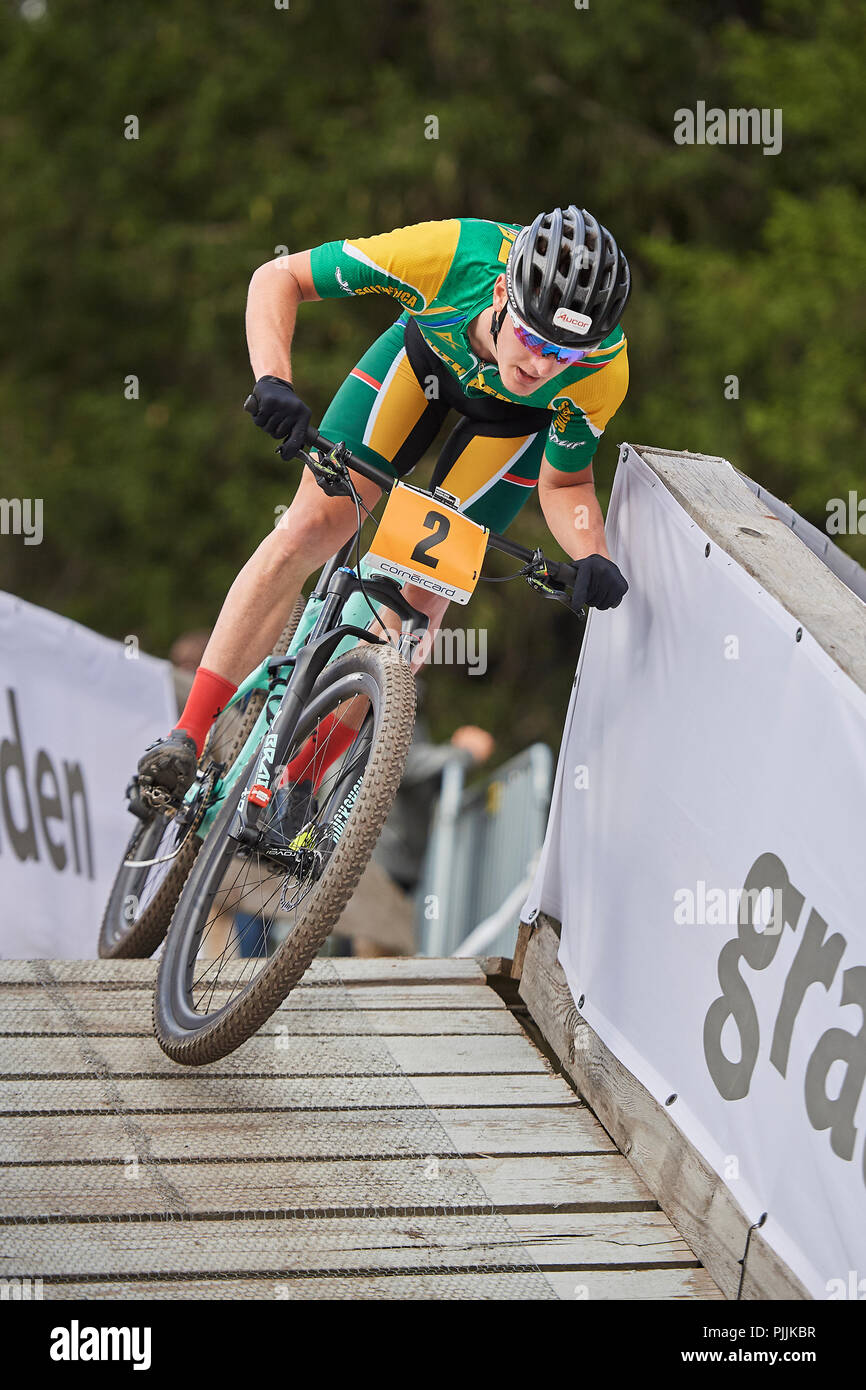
point(393, 1132)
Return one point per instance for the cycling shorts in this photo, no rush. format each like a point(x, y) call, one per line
point(390, 409)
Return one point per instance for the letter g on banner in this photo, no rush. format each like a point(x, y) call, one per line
point(757, 949)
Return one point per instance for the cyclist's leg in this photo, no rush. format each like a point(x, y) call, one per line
point(492, 473)
point(383, 415)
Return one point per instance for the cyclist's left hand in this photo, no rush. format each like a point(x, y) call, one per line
point(599, 583)
point(281, 413)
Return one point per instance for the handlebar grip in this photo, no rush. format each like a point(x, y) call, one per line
point(314, 440)
point(567, 573)
point(251, 405)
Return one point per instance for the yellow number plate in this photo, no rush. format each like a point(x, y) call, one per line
point(429, 544)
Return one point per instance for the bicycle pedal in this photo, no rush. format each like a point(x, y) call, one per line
point(155, 800)
point(158, 800)
point(136, 804)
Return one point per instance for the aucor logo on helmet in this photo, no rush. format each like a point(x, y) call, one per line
point(570, 320)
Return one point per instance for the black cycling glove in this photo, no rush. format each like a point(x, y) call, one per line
point(281, 413)
point(599, 583)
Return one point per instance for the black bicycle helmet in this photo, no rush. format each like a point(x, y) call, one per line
point(567, 279)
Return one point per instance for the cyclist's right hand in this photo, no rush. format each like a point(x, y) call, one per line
point(281, 413)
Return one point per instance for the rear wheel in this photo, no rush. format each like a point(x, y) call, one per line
point(250, 921)
point(162, 850)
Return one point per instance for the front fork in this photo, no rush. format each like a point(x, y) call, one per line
point(315, 643)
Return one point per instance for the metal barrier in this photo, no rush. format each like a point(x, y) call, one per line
point(483, 848)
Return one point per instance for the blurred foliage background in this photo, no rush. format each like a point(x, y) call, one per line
point(262, 128)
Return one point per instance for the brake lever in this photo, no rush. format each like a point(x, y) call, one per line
point(536, 573)
point(329, 470)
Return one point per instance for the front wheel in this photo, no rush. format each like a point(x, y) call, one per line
point(251, 919)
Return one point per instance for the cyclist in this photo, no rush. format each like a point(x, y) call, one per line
point(517, 329)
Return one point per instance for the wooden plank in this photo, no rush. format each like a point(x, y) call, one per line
point(424, 1287)
point(113, 1018)
point(766, 1275)
point(541, 1130)
point(407, 970)
point(185, 1090)
point(29, 972)
point(290, 1244)
point(278, 1055)
point(641, 1128)
point(697, 1201)
point(349, 970)
point(85, 995)
point(495, 965)
point(604, 1284)
point(239, 1134)
point(596, 1182)
point(535, 1088)
point(609, 1240)
point(732, 516)
point(524, 935)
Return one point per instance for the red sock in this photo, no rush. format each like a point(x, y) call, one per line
point(209, 695)
point(328, 741)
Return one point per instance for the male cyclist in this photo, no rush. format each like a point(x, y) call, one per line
point(515, 328)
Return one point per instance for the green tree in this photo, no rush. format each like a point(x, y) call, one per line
point(261, 128)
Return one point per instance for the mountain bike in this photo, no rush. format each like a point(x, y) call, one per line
point(274, 834)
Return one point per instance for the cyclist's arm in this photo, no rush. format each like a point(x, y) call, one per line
point(408, 264)
point(572, 511)
point(276, 290)
point(566, 485)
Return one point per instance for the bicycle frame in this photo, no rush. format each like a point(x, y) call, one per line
point(336, 617)
point(289, 680)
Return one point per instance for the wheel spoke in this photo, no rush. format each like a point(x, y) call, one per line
point(249, 877)
point(258, 906)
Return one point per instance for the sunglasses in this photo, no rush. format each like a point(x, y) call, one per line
point(540, 347)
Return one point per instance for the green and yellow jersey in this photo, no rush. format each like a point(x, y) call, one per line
point(442, 274)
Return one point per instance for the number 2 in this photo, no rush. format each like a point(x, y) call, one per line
point(441, 526)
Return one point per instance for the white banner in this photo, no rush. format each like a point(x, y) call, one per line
point(708, 751)
point(75, 716)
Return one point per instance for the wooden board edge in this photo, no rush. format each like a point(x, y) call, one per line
point(524, 935)
point(712, 492)
point(767, 1275)
point(495, 965)
point(688, 1190)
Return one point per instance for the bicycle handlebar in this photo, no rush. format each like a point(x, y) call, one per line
point(560, 571)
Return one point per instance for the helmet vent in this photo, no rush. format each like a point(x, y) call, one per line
point(567, 260)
